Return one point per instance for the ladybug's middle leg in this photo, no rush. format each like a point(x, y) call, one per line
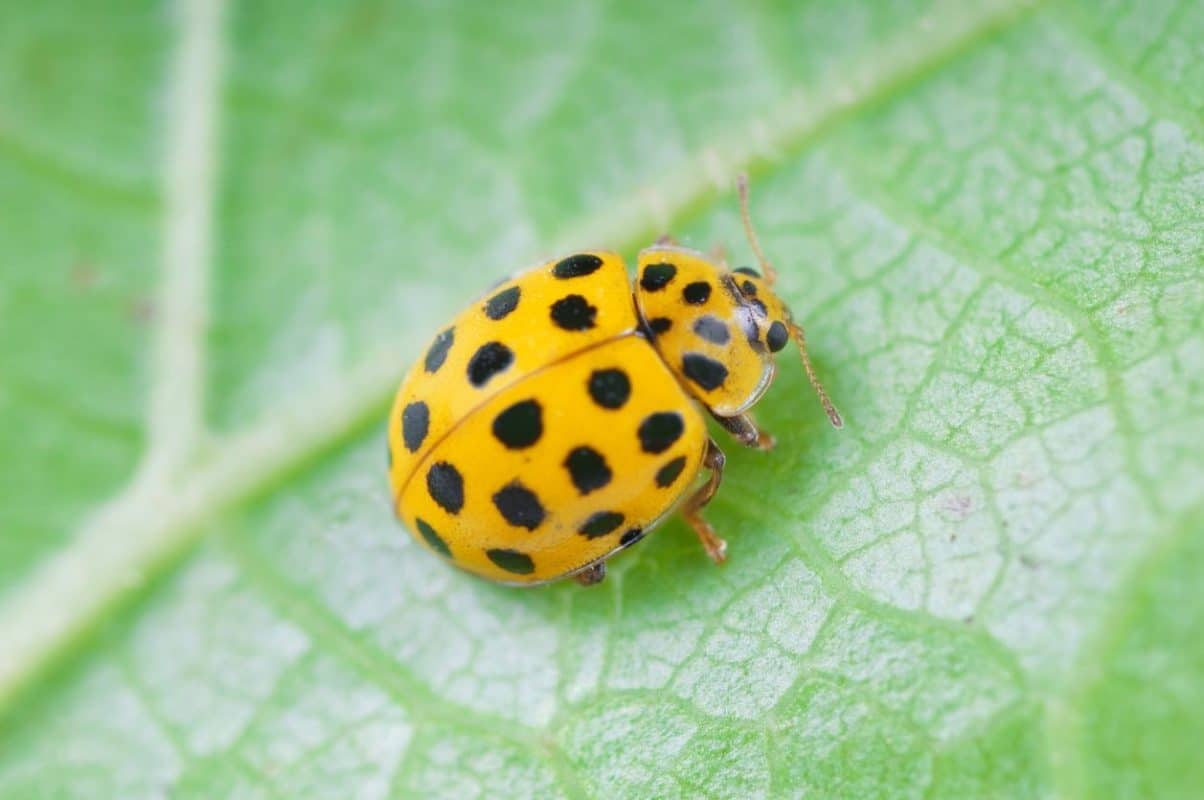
point(713, 460)
point(744, 428)
point(592, 575)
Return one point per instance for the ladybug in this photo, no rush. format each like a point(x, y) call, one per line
point(557, 420)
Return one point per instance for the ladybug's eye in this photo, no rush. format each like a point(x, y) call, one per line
point(777, 336)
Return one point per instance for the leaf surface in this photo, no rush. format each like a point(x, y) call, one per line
point(227, 232)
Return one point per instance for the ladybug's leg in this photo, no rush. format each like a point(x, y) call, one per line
point(591, 575)
point(716, 548)
point(744, 428)
point(665, 238)
point(718, 253)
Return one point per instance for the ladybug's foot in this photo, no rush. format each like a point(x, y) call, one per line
point(665, 238)
point(716, 548)
point(591, 575)
point(744, 428)
point(718, 253)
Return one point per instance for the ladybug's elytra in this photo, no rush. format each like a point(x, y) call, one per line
point(557, 421)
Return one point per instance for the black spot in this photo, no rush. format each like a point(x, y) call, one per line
point(587, 468)
point(631, 536)
point(502, 303)
point(777, 336)
point(657, 276)
point(659, 325)
point(704, 370)
point(609, 388)
point(511, 560)
point(490, 359)
point(437, 353)
point(601, 524)
point(696, 293)
point(519, 506)
point(577, 266)
point(712, 329)
point(760, 306)
point(415, 422)
point(433, 539)
point(668, 473)
point(748, 289)
point(445, 486)
point(573, 313)
point(747, 271)
point(520, 425)
point(660, 430)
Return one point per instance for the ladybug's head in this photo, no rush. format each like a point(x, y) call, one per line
point(717, 329)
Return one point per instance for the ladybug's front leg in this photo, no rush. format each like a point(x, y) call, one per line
point(744, 428)
point(713, 460)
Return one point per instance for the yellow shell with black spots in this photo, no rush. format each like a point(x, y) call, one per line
point(710, 326)
point(540, 432)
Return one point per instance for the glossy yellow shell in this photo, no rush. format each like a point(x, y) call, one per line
point(540, 432)
point(708, 331)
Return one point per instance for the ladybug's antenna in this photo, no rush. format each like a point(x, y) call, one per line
point(796, 330)
point(770, 273)
point(800, 339)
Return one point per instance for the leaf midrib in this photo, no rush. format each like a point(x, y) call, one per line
point(153, 522)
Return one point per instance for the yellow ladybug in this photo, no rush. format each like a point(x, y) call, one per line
point(559, 419)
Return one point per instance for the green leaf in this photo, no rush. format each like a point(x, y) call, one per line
point(226, 232)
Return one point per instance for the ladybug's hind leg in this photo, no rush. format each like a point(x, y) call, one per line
point(591, 575)
point(716, 548)
point(744, 428)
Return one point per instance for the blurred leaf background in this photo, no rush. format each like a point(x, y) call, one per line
point(225, 230)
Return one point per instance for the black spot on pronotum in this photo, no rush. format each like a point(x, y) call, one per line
point(520, 425)
point(445, 486)
point(748, 289)
point(660, 430)
point(577, 266)
point(747, 271)
point(704, 370)
point(668, 473)
point(437, 353)
point(657, 276)
point(777, 336)
point(490, 359)
point(573, 313)
point(696, 293)
point(609, 388)
point(712, 329)
point(601, 524)
point(659, 325)
point(511, 560)
point(631, 536)
point(519, 506)
point(587, 469)
point(432, 538)
point(759, 306)
point(501, 304)
point(415, 422)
